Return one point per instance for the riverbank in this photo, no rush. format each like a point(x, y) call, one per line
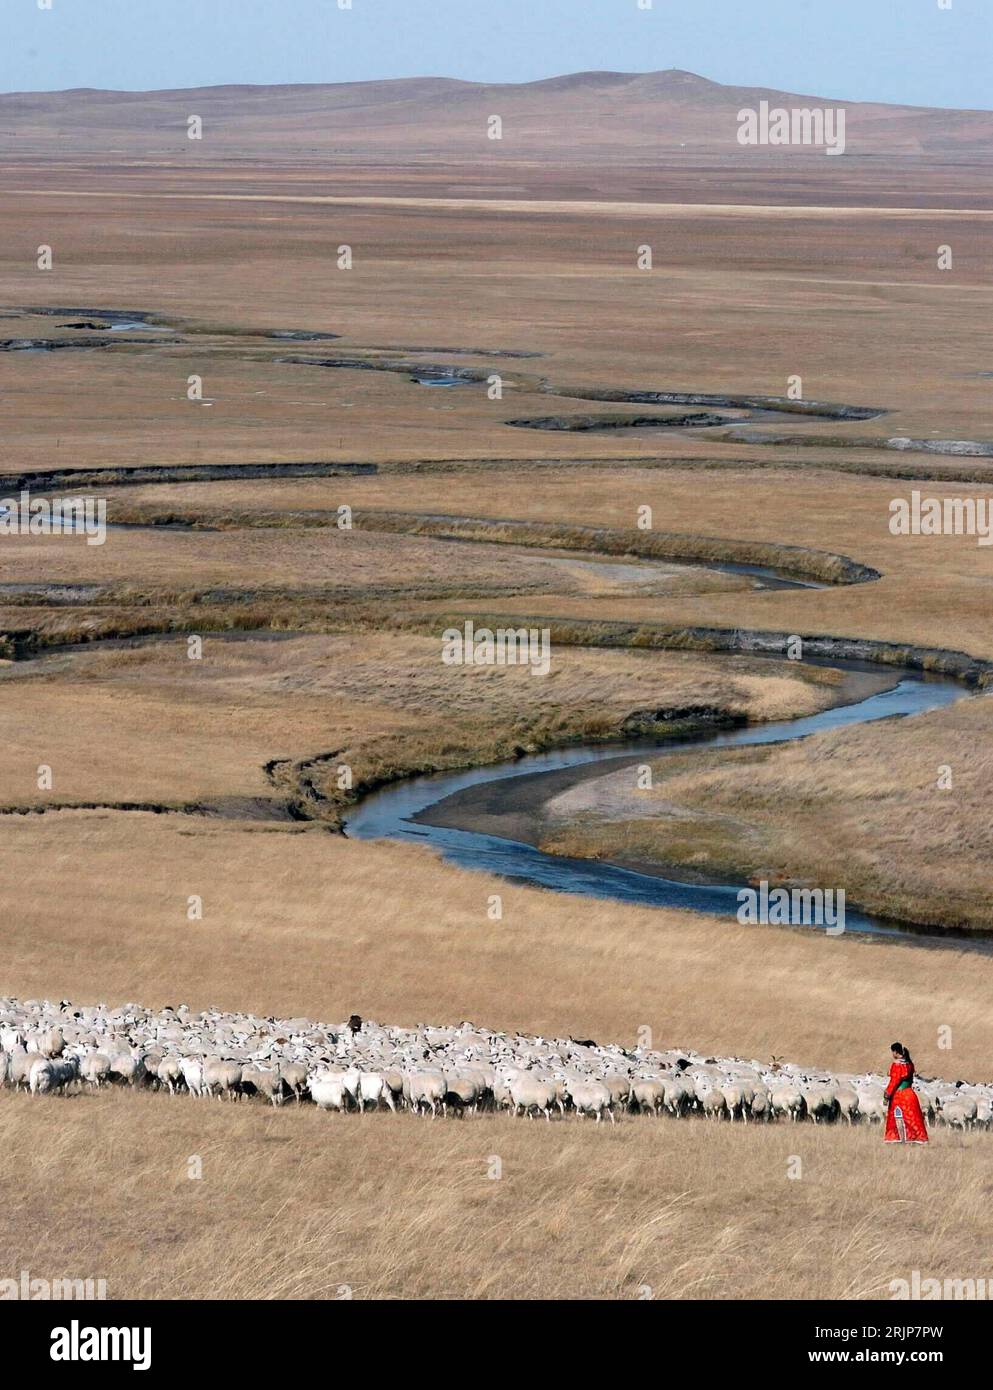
point(870, 809)
point(597, 811)
point(515, 808)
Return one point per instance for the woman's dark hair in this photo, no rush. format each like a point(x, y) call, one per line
point(902, 1051)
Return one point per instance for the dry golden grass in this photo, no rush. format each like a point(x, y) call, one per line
point(297, 1204)
point(299, 921)
point(257, 559)
point(348, 564)
point(202, 729)
point(935, 591)
point(853, 301)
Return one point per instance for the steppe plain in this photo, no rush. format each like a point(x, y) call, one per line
point(174, 777)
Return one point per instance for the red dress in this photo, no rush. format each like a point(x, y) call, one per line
point(904, 1121)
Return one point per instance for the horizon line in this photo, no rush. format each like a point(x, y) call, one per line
point(481, 82)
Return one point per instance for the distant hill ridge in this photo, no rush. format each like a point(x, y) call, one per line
point(587, 116)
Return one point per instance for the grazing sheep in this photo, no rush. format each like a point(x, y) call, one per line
point(95, 1068)
point(463, 1092)
point(263, 1081)
point(820, 1103)
point(49, 1074)
point(192, 1068)
point(371, 1090)
point(49, 1042)
point(221, 1078)
point(713, 1104)
point(872, 1104)
point(592, 1098)
point(678, 1097)
point(19, 1063)
point(457, 1069)
point(427, 1088)
point(619, 1088)
point(787, 1099)
point(734, 1099)
point(528, 1093)
point(958, 1112)
point(847, 1103)
point(393, 1081)
point(294, 1076)
point(761, 1106)
point(501, 1094)
point(648, 1094)
point(170, 1073)
point(129, 1070)
point(328, 1091)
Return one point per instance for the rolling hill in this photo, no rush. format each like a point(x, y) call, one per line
point(581, 119)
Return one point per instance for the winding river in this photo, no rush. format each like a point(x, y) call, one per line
point(396, 811)
point(401, 809)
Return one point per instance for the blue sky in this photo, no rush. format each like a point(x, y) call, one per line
point(888, 50)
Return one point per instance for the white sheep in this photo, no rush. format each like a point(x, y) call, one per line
point(454, 1069)
point(192, 1069)
point(786, 1098)
point(592, 1097)
point(95, 1068)
point(847, 1103)
point(127, 1069)
point(648, 1093)
point(871, 1102)
point(221, 1077)
point(712, 1102)
point(427, 1089)
point(735, 1099)
point(19, 1063)
point(958, 1112)
point(294, 1075)
point(761, 1106)
point(328, 1090)
point(50, 1074)
point(169, 1073)
point(371, 1090)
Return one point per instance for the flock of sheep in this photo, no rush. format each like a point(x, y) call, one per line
point(47, 1048)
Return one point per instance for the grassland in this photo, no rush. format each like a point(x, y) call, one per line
point(795, 280)
point(808, 295)
point(297, 920)
point(292, 1205)
point(205, 730)
point(295, 1204)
